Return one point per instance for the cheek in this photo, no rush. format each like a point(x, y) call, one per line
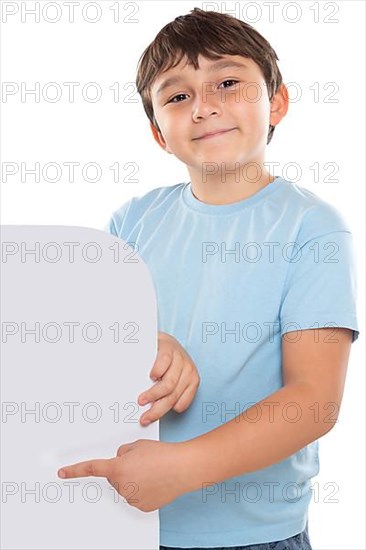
point(255, 116)
point(174, 128)
point(252, 101)
point(167, 117)
point(165, 125)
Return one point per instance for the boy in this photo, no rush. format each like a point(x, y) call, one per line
point(255, 285)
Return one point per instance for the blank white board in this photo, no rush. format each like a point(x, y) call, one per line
point(78, 340)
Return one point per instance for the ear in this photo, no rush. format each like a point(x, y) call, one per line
point(279, 105)
point(159, 138)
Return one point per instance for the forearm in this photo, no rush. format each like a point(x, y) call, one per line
point(266, 433)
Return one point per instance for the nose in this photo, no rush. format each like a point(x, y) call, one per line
point(205, 105)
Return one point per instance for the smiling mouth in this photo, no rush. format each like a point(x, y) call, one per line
point(214, 135)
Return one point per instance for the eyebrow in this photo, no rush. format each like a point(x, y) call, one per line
point(223, 64)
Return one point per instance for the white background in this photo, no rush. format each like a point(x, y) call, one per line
point(320, 46)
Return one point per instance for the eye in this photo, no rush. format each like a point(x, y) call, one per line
point(235, 81)
point(180, 95)
point(172, 100)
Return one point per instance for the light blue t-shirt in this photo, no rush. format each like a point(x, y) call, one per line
point(230, 280)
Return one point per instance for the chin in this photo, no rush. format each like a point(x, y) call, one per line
point(223, 161)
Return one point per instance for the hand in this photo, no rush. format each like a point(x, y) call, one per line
point(177, 384)
point(148, 474)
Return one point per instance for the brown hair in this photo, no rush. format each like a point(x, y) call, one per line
point(212, 35)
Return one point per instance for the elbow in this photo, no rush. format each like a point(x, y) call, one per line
point(323, 409)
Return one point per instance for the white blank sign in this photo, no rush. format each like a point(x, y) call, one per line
point(79, 338)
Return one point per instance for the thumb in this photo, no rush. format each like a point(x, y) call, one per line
point(123, 449)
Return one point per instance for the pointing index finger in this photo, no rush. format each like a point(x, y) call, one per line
point(101, 467)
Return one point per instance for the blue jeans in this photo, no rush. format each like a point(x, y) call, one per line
point(296, 542)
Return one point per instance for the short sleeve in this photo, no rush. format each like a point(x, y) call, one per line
point(110, 227)
point(118, 220)
point(321, 287)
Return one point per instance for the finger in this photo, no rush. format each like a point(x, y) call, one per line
point(185, 399)
point(98, 468)
point(167, 384)
point(163, 359)
point(158, 409)
point(161, 365)
point(163, 405)
point(147, 396)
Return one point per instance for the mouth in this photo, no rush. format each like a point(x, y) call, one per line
point(210, 135)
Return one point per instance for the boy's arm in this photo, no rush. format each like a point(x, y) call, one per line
point(306, 408)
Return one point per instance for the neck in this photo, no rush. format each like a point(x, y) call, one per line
point(225, 190)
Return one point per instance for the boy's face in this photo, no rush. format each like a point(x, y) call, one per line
point(211, 99)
